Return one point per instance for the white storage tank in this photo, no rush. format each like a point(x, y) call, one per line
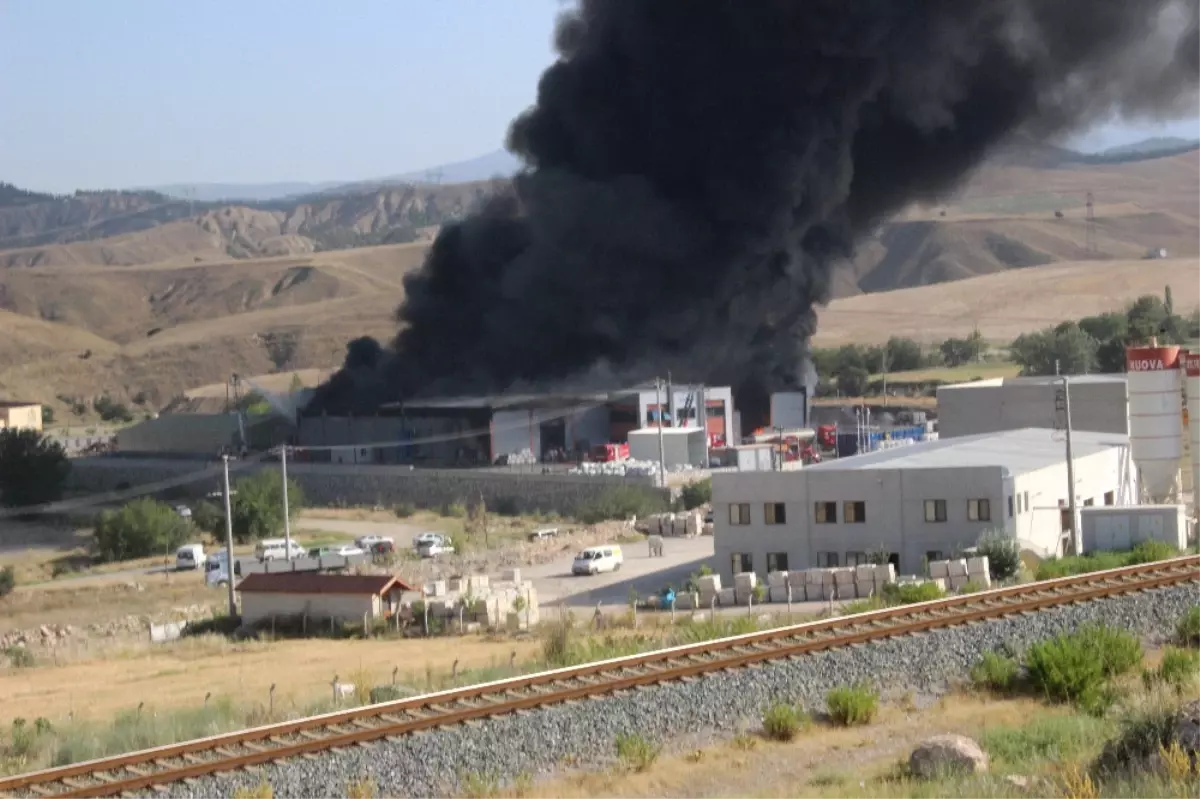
point(1116, 529)
point(1155, 420)
point(1191, 372)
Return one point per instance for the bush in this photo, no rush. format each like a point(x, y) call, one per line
point(139, 529)
point(1076, 667)
point(1043, 739)
point(208, 517)
point(637, 752)
point(996, 672)
point(386, 693)
point(1145, 552)
point(112, 411)
point(782, 722)
point(455, 510)
point(1150, 552)
point(20, 657)
point(621, 503)
point(1178, 670)
point(404, 510)
point(696, 494)
point(33, 469)
point(1143, 733)
point(852, 704)
point(258, 505)
point(910, 593)
point(1003, 554)
point(8, 581)
point(1187, 631)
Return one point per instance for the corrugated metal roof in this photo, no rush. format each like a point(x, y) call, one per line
point(318, 583)
point(1018, 451)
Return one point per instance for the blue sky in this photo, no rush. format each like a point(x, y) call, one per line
point(109, 93)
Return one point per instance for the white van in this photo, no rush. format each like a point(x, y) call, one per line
point(189, 557)
point(595, 560)
point(277, 549)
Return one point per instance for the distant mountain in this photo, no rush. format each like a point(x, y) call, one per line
point(500, 163)
point(1157, 144)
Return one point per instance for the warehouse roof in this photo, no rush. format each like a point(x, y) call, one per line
point(1017, 451)
point(318, 583)
point(1043, 380)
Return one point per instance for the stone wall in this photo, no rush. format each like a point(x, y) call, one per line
point(334, 485)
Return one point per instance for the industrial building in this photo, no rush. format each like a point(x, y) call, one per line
point(203, 434)
point(1099, 404)
point(18, 415)
point(481, 431)
point(918, 502)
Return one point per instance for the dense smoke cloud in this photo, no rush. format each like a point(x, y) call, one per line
point(696, 168)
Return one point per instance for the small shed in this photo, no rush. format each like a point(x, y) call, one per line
point(343, 597)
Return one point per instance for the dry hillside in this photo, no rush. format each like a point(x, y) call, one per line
point(170, 306)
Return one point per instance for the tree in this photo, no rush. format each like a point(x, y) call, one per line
point(852, 381)
point(8, 580)
point(959, 351)
point(1066, 349)
point(1003, 554)
point(112, 411)
point(47, 415)
point(33, 469)
point(1110, 330)
point(140, 528)
point(257, 505)
point(1032, 352)
point(903, 354)
point(696, 494)
point(208, 517)
point(1147, 317)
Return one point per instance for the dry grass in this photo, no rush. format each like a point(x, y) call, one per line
point(179, 675)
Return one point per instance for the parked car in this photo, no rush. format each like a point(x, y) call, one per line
point(427, 537)
point(348, 550)
point(432, 547)
point(320, 552)
point(184, 511)
point(365, 542)
point(189, 557)
point(544, 533)
point(595, 560)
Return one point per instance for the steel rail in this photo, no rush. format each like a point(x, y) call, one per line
point(178, 762)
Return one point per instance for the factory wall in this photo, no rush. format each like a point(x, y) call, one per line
point(333, 485)
point(988, 406)
point(515, 431)
point(346, 432)
point(590, 425)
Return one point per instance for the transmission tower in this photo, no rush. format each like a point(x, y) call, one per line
point(1090, 229)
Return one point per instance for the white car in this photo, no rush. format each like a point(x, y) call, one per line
point(365, 542)
point(184, 511)
point(544, 533)
point(427, 538)
point(431, 548)
point(347, 550)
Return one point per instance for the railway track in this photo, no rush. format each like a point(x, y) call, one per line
point(367, 726)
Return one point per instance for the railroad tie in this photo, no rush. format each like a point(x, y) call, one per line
point(255, 747)
point(310, 735)
point(188, 757)
point(388, 718)
point(365, 725)
point(141, 772)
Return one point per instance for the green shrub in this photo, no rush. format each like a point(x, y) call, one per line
point(1178, 670)
point(8, 580)
point(404, 510)
point(782, 722)
point(1151, 551)
point(455, 510)
point(1187, 630)
point(621, 502)
point(1076, 667)
point(210, 518)
point(139, 529)
point(1003, 554)
point(696, 494)
point(637, 752)
point(996, 672)
point(852, 704)
point(33, 468)
point(910, 593)
point(1145, 552)
point(20, 657)
point(1051, 739)
point(1142, 732)
point(386, 693)
point(257, 505)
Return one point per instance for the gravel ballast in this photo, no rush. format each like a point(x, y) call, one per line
point(584, 733)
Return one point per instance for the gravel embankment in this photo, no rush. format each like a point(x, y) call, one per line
point(434, 763)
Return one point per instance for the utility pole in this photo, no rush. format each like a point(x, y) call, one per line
point(1076, 549)
point(287, 524)
point(662, 450)
point(670, 399)
point(229, 564)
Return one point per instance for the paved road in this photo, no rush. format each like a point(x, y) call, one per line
point(681, 556)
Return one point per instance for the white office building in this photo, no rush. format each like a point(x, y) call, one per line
point(918, 502)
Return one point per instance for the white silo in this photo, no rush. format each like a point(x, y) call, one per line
point(1191, 372)
point(1155, 420)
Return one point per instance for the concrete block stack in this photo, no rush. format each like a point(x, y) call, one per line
point(710, 589)
point(777, 587)
point(479, 600)
point(726, 597)
point(744, 584)
point(843, 582)
point(687, 600)
point(978, 571)
point(953, 575)
point(798, 582)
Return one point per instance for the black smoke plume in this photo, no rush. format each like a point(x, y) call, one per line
point(696, 169)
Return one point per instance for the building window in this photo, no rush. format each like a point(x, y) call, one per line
point(979, 510)
point(742, 562)
point(826, 560)
point(825, 512)
point(1110, 498)
point(775, 512)
point(932, 555)
point(1010, 506)
point(856, 558)
point(855, 512)
point(777, 562)
point(739, 513)
point(935, 510)
point(1089, 502)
